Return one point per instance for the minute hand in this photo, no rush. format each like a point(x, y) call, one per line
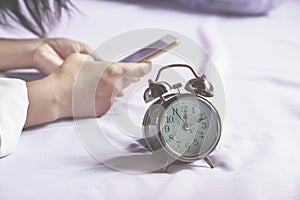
point(185, 124)
point(179, 116)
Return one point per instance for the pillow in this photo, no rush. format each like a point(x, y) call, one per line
point(252, 7)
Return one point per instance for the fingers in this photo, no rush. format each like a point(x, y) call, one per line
point(133, 70)
point(65, 47)
point(127, 73)
point(85, 49)
point(113, 77)
point(47, 59)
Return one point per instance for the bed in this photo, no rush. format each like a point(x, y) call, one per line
point(257, 156)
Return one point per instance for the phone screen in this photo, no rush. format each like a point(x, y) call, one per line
point(153, 49)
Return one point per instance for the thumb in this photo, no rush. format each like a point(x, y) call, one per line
point(136, 70)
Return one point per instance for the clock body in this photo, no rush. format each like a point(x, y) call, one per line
point(184, 127)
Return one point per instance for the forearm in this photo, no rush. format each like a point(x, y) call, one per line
point(43, 106)
point(17, 53)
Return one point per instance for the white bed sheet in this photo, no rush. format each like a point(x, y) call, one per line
point(258, 155)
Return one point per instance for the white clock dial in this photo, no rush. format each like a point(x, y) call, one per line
point(185, 127)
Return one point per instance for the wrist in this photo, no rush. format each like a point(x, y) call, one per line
point(44, 106)
point(33, 50)
point(60, 93)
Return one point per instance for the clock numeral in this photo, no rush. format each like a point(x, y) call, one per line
point(187, 145)
point(204, 125)
point(201, 115)
point(196, 142)
point(175, 111)
point(170, 119)
point(166, 128)
point(193, 110)
point(184, 108)
point(171, 138)
point(178, 144)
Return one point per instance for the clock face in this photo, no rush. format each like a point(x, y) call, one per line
point(188, 127)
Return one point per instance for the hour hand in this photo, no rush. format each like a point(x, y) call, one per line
point(186, 125)
point(185, 118)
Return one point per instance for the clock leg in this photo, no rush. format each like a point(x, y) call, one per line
point(209, 162)
point(164, 169)
point(167, 165)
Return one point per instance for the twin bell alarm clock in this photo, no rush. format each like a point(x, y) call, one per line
point(181, 126)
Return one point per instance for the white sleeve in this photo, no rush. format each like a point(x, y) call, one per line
point(13, 112)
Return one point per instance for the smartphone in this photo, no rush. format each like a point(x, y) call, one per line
point(153, 50)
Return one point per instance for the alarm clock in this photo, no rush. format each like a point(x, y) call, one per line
point(181, 126)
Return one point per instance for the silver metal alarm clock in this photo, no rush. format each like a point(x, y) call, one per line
point(181, 126)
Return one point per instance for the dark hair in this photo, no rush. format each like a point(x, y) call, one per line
point(37, 16)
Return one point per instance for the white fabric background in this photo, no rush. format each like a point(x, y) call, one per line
point(258, 155)
point(13, 112)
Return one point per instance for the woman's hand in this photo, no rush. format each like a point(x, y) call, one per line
point(51, 53)
point(81, 87)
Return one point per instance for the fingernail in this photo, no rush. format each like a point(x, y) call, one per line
point(147, 61)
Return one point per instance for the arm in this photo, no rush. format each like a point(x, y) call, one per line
point(51, 98)
point(17, 53)
point(46, 55)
